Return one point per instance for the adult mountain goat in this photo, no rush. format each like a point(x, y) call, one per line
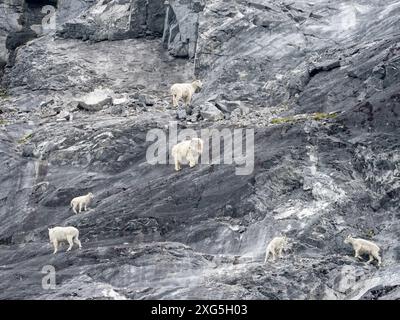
point(362, 246)
point(59, 234)
point(187, 151)
point(184, 91)
point(81, 203)
point(275, 247)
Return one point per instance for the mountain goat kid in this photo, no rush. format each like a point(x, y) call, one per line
point(275, 247)
point(59, 234)
point(362, 246)
point(184, 91)
point(81, 203)
point(187, 151)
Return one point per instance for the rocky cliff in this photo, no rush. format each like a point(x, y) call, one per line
point(318, 81)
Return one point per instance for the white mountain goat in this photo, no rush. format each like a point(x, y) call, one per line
point(187, 151)
point(184, 91)
point(275, 247)
point(362, 246)
point(59, 234)
point(81, 203)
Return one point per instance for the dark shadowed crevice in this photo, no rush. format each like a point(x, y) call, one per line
point(33, 10)
point(6, 241)
point(32, 15)
point(2, 66)
point(324, 68)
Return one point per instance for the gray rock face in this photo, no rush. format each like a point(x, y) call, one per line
point(95, 101)
point(68, 10)
point(115, 20)
point(317, 81)
point(10, 14)
point(210, 112)
point(181, 114)
point(143, 68)
point(181, 27)
point(175, 20)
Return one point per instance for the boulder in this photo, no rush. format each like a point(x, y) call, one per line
point(181, 114)
point(95, 101)
point(210, 112)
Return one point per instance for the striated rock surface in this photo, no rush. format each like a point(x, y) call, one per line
point(317, 81)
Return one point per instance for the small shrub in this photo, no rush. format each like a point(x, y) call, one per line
point(283, 120)
point(370, 233)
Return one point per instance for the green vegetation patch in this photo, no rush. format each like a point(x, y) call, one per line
point(323, 116)
point(25, 138)
point(283, 120)
point(318, 116)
